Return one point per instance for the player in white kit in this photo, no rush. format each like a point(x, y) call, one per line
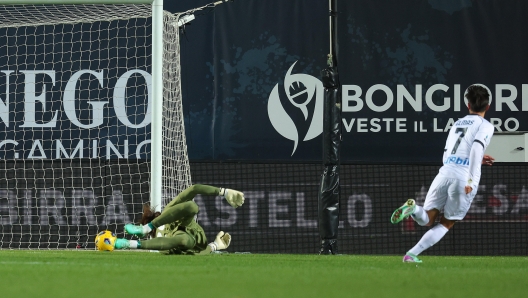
point(456, 184)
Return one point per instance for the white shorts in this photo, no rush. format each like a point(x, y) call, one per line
point(449, 195)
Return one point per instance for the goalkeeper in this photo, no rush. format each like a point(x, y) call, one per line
point(181, 233)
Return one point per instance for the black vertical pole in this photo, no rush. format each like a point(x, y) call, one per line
point(329, 193)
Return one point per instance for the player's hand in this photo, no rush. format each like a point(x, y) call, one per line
point(222, 240)
point(235, 198)
point(487, 160)
point(468, 189)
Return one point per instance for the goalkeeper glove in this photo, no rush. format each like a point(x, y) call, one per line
point(235, 198)
point(222, 241)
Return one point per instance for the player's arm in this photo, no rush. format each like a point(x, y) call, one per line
point(477, 157)
point(475, 160)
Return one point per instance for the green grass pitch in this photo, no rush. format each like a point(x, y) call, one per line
point(26, 273)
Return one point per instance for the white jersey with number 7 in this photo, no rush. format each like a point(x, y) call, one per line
point(465, 133)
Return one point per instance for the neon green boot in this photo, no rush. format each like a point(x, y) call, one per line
point(404, 211)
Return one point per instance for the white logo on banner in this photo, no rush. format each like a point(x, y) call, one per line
point(296, 85)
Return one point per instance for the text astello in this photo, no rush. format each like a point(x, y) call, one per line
point(436, 103)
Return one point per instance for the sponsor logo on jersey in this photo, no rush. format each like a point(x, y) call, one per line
point(457, 161)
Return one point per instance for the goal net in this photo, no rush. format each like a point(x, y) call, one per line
point(76, 114)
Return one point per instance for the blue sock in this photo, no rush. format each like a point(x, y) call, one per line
point(139, 244)
point(151, 226)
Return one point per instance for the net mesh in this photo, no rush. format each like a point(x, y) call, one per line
point(75, 121)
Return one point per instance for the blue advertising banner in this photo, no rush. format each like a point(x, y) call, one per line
point(254, 92)
point(251, 80)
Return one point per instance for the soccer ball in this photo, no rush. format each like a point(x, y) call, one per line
point(105, 241)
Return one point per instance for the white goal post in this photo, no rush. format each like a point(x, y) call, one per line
point(91, 121)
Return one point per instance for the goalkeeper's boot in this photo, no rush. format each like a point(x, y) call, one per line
point(139, 231)
point(404, 211)
point(222, 241)
point(411, 258)
point(121, 244)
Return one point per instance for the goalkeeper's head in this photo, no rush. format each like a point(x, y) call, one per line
point(148, 215)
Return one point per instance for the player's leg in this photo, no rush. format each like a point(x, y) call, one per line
point(418, 213)
point(434, 201)
point(429, 239)
point(183, 212)
point(458, 202)
point(452, 212)
point(180, 240)
point(425, 217)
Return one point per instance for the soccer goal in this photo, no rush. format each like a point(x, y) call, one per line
point(91, 122)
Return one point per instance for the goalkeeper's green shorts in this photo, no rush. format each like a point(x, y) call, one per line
point(193, 230)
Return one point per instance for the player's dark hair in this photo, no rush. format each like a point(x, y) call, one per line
point(149, 215)
point(478, 98)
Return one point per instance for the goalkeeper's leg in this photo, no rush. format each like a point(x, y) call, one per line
point(183, 212)
point(181, 241)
